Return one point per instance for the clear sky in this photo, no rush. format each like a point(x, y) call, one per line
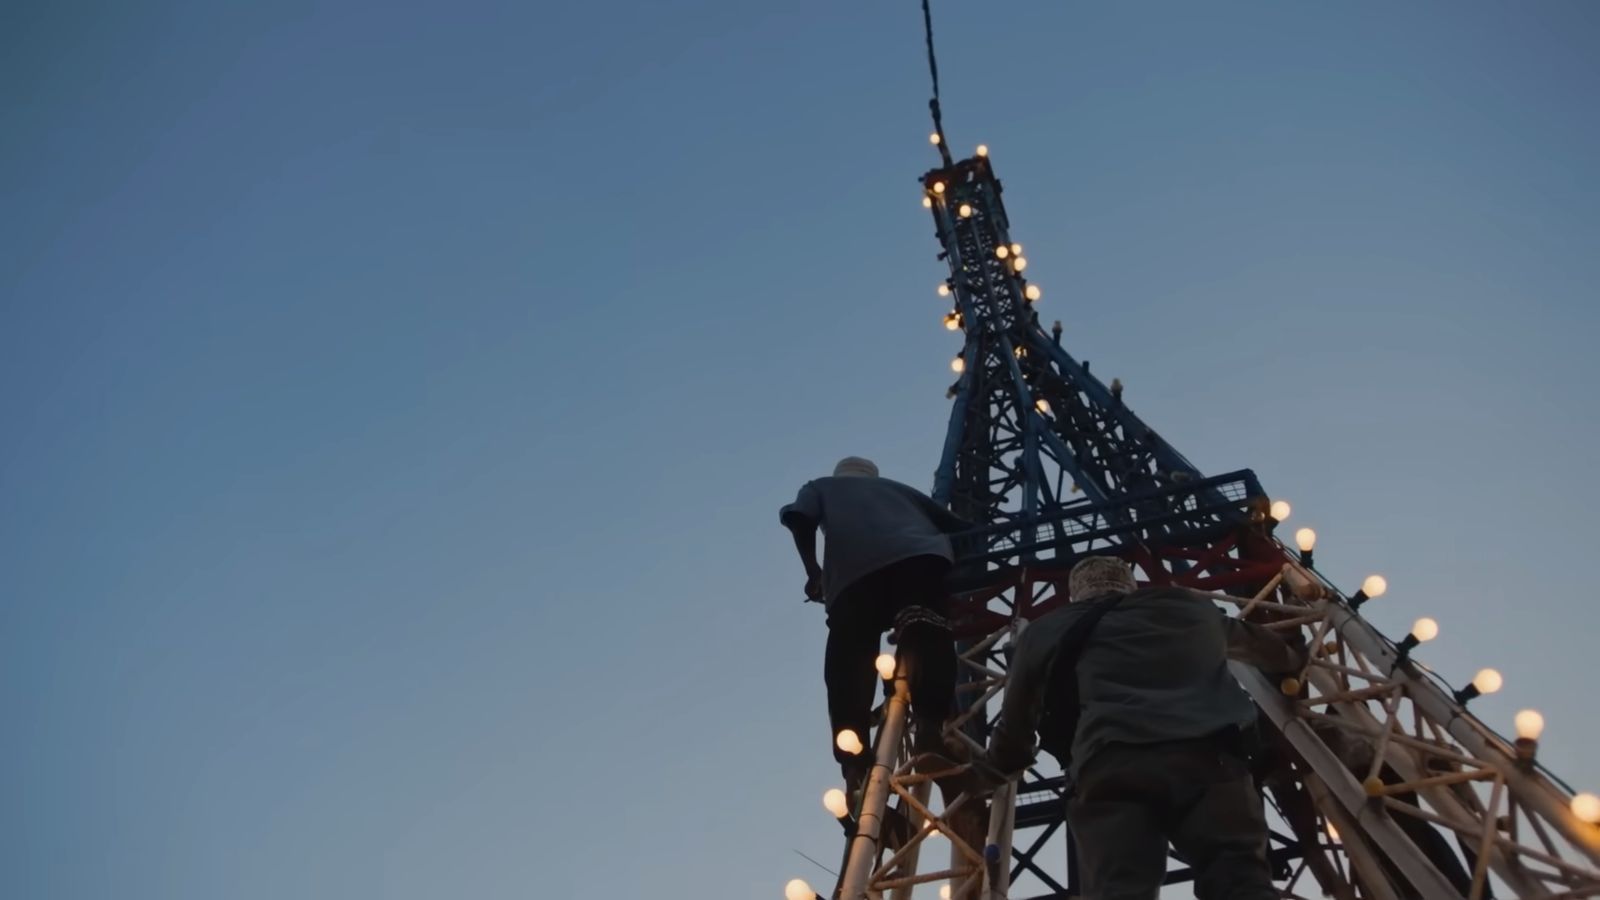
point(396, 399)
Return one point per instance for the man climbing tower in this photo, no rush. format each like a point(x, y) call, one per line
point(887, 553)
point(1151, 726)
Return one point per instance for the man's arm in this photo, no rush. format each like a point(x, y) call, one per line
point(801, 518)
point(805, 542)
point(1264, 649)
point(1011, 746)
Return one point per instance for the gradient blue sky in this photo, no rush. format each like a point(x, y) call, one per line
point(397, 398)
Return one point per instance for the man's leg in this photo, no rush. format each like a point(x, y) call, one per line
point(1115, 817)
point(921, 606)
point(1218, 825)
point(847, 669)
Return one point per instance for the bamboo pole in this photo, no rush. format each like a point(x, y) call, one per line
point(866, 844)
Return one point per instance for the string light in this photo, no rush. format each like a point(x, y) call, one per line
point(965, 211)
point(958, 365)
point(1586, 806)
point(952, 321)
point(943, 288)
point(1530, 725)
point(927, 203)
point(848, 742)
point(1032, 292)
point(798, 890)
point(1019, 264)
point(1371, 589)
point(934, 139)
point(983, 149)
point(1422, 631)
point(1487, 681)
point(1016, 249)
point(834, 802)
point(885, 666)
point(938, 187)
point(1002, 251)
point(1280, 510)
point(1306, 540)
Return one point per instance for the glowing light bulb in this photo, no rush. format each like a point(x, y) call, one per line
point(1487, 681)
point(1002, 251)
point(1305, 539)
point(848, 742)
point(958, 365)
point(1530, 724)
point(798, 890)
point(1019, 264)
point(1280, 510)
point(1424, 629)
point(1032, 292)
point(834, 802)
point(934, 139)
point(952, 321)
point(1586, 806)
point(927, 203)
point(1016, 249)
point(965, 211)
point(1375, 586)
point(938, 187)
point(944, 289)
point(885, 665)
point(1043, 405)
point(983, 150)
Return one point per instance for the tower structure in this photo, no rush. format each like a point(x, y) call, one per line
point(1379, 781)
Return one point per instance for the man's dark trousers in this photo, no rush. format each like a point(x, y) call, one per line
point(856, 623)
point(1131, 799)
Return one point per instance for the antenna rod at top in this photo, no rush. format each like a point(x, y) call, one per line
point(933, 70)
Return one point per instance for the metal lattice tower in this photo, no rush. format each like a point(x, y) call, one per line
point(1379, 782)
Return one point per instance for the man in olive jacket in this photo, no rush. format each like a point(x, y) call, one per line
point(1156, 754)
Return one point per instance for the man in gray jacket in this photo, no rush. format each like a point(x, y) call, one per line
point(888, 551)
point(1156, 753)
